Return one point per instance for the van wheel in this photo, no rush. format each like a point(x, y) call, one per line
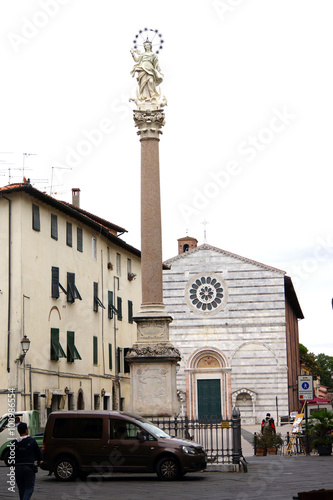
point(168, 469)
point(66, 469)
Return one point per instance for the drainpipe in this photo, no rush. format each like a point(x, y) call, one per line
point(9, 274)
point(115, 289)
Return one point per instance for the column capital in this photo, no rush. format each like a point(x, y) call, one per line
point(149, 123)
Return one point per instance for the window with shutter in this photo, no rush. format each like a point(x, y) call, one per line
point(120, 360)
point(110, 356)
point(72, 352)
point(130, 311)
point(120, 308)
point(97, 301)
point(110, 305)
point(94, 248)
point(118, 264)
point(72, 291)
point(95, 350)
point(55, 282)
point(35, 217)
point(126, 363)
point(54, 226)
point(56, 349)
point(69, 239)
point(79, 239)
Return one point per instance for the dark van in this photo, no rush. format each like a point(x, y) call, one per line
point(79, 443)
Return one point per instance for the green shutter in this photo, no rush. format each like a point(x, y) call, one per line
point(55, 283)
point(110, 356)
point(56, 349)
point(70, 287)
point(119, 352)
point(110, 305)
point(72, 352)
point(130, 311)
point(69, 240)
point(95, 351)
point(79, 239)
point(120, 308)
point(54, 226)
point(72, 292)
point(95, 291)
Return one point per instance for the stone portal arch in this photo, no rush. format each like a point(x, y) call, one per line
point(208, 384)
point(245, 400)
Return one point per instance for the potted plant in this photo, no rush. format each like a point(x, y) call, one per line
point(320, 428)
point(259, 444)
point(274, 441)
point(267, 443)
point(131, 276)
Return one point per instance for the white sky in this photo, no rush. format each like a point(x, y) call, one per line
point(232, 69)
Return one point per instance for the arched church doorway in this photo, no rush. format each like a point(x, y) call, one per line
point(208, 385)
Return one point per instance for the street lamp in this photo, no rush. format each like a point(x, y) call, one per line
point(25, 345)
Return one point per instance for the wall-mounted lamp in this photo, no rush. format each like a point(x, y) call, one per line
point(103, 393)
point(67, 390)
point(25, 345)
point(177, 367)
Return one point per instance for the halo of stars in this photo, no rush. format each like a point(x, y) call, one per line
point(150, 35)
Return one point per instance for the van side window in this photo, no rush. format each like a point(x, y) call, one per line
point(89, 428)
point(120, 429)
point(63, 428)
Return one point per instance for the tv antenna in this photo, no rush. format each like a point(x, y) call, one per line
point(61, 168)
point(4, 162)
point(25, 156)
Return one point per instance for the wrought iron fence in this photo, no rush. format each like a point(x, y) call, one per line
point(221, 439)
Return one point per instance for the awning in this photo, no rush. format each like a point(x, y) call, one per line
point(56, 392)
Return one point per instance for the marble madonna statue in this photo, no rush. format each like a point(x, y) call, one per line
point(149, 76)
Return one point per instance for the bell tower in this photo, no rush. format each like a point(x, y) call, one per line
point(186, 244)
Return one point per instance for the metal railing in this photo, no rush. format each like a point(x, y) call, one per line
point(220, 438)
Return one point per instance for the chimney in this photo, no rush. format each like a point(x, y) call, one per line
point(76, 197)
point(186, 244)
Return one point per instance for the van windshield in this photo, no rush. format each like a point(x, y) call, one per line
point(150, 427)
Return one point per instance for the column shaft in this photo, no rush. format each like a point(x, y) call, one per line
point(151, 233)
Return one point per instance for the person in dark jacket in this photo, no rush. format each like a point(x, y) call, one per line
point(268, 425)
point(27, 452)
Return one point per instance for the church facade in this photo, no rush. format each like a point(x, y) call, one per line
point(235, 322)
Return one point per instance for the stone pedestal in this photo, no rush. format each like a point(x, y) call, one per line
point(153, 362)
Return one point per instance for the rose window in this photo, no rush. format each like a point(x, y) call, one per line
point(206, 293)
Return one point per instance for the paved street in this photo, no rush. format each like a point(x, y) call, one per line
point(268, 478)
point(275, 477)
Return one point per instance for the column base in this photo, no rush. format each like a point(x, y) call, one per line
point(153, 361)
point(153, 381)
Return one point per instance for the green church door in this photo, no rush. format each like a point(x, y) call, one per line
point(209, 399)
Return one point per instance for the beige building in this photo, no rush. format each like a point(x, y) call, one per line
point(71, 285)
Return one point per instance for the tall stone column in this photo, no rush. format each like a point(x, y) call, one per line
point(150, 124)
point(153, 358)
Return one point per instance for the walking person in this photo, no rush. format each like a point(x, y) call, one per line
point(27, 452)
point(268, 425)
